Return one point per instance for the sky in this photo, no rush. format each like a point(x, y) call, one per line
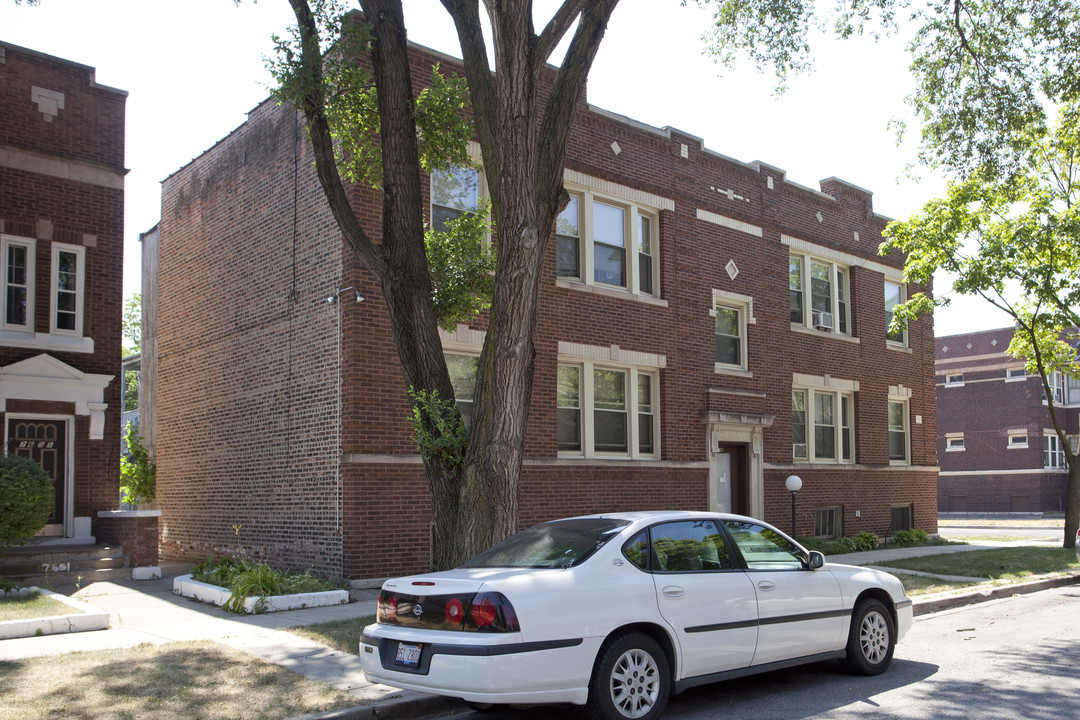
point(194, 68)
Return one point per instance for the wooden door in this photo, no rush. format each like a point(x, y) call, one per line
point(43, 442)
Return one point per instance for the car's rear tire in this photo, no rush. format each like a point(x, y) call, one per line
point(630, 681)
point(872, 638)
point(481, 707)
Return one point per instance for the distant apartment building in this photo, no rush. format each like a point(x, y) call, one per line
point(997, 446)
point(707, 328)
point(61, 229)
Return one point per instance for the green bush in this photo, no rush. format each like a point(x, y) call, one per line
point(246, 578)
point(865, 541)
point(138, 470)
point(26, 498)
point(910, 538)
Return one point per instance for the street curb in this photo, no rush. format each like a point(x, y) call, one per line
point(408, 707)
point(971, 597)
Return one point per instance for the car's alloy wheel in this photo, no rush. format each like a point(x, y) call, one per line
point(631, 680)
point(872, 638)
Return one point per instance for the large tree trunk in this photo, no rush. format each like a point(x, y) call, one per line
point(1072, 502)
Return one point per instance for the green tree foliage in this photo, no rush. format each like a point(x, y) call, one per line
point(131, 325)
point(26, 498)
point(138, 470)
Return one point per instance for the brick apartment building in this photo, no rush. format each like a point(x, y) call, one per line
point(707, 329)
point(61, 226)
point(996, 441)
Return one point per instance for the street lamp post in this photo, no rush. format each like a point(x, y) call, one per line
point(793, 484)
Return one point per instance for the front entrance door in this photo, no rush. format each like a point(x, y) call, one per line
point(44, 442)
point(732, 482)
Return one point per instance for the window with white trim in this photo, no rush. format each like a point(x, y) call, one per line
point(1053, 453)
point(608, 242)
point(821, 425)
point(818, 292)
point(18, 274)
point(954, 442)
point(1017, 440)
point(895, 294)
point(607, 411)
point(1057, 387)
point(1072, 389)
point(899, 447)
point(462, 370)
point(1015, 374)
point(954, 379)
point(732, 313)
point(68, 274)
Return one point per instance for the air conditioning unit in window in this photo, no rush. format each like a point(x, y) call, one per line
point(799, 451)
point(823, 320)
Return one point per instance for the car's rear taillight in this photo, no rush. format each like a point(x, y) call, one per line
point(386, 609)
point(491, 612)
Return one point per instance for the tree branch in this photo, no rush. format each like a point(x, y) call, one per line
point(556, 28)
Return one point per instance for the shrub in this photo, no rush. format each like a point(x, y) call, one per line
point(865, 541)
point(910, 538)
point(26, 498)
point(138, 470)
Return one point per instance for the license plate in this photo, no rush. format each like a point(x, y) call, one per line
point(408, 654)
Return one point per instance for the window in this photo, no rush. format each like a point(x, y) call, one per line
point(1018, 440)
point(895, 294)
point(827, 523)
point(954, 379)
point(607, 411)
point(898, 432)
point(1014, 374)
point(463, 377)
point(1074, 443)
point(453, 193)
point(818, 294)
point(18, 275)
point(1072, 389)
point(954, 443)
point(606, 242)
point(1053, 453)
point(689, 547)
point(828, 414)
point(1054, 380)
point(900, 518)
point(68, 272)
point(729, 344)
point(764, 549)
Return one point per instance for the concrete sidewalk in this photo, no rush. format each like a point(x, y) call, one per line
point(147, 611)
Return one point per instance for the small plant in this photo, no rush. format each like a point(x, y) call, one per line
point(910, 538)
point(865, 541)
point(26, 498)
point(138, 470)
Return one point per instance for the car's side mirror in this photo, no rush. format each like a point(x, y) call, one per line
point(817, 560)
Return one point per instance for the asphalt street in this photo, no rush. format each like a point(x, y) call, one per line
point(1016, 657)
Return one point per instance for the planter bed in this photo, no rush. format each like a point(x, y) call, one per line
point(83, 617)
point(187, 586)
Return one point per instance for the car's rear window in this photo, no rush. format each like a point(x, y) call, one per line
point(558, 544)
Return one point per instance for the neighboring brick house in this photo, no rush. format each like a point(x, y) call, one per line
point(707, 328)
point(996, 440)
point(61, 225)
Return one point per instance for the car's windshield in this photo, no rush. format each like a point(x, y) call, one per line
point(559, 544)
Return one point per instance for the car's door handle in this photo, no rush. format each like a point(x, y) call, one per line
point(766, 586)
point(673, 591)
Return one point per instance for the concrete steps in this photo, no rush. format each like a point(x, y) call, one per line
point(47, 565)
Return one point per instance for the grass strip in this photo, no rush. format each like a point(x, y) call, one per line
point(153, 682)
point(1007, 563)
point(341, 635)
point(33, 606)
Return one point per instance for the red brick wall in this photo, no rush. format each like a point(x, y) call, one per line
point(89, 132)
point(137, 535)
point(222, 219)
point(247, 376)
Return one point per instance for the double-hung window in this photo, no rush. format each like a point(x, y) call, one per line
point(819, 294)
point(899, 448)
point(454, 193)
point(18, 292)
point(607, 242)
point(822, 428)
point(1072, 389)
point(462, 370)
point(68, 274)
point(1053, 453)
point(895, 294)
point(732, 313)
point(1054, 380)
point(607, 411)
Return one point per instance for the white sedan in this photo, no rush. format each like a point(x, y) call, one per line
point(618, 611)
